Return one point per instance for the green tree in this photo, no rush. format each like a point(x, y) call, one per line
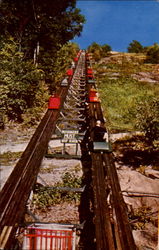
point(135, 47)
point(19, 82)
point(57, 65)
point(39, 30)
point(153, 54)
point(93, 47)
point(98, 51)
point(147, 119)
point(34, 23)
point(106, 49)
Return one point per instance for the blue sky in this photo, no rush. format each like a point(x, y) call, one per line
point(117, 23)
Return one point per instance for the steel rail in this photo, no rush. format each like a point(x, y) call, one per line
point(22, 174)
point(104, 232)
point(132, 193)
point(17, 188)
point(120, 209)
point(13, 202)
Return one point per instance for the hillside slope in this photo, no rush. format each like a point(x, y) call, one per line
point(124, 81)
point(126, 84)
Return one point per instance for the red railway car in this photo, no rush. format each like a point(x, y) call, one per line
point(89, 71)
point(54, 102)
point(90, 76)
point(94, 99)
point(75, 59)
point(69, 72)
point(93, 95)
point(92, 92)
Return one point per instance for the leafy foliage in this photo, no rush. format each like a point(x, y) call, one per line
point(54, 64)
point(45, 197)
point(121, 94)
point(8, 157)
point(105, 49)
point(148, 118)
point(19, 82)
point(50, 23)
point(34, 51)
point(120, 98)
point(133, 150)
point(153, 54)
point(140, 216)
point(70, 180)
point(135, 47)
point(98, 51)
point(22, 87)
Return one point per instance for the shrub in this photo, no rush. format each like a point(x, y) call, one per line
point(45, 197)
point(140, 216)
point(19, 82)
point(135, 47)
point(147, 118)
point(153, 54)
point(99, 51)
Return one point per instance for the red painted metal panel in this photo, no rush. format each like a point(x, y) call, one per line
point(54, 102)
point(90, 76)
point(89, 71)
point(48, 239)
point(93, 93)
point(94, 99)
point(69, 72)
point(75, 59)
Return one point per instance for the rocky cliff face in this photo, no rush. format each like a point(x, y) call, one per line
point(133, 63)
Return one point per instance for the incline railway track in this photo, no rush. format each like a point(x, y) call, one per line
point(16, 190)
point(112, 228)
